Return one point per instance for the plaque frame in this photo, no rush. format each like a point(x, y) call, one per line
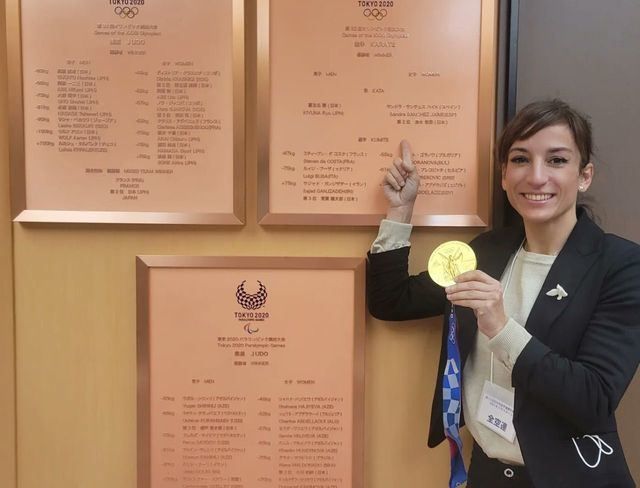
point(488, 54)
point(145, 265)
point(20, 212)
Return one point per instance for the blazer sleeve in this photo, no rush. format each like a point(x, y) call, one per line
point(392, 294)
point(586, 390)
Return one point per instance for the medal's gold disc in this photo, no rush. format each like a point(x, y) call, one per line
point(449, 260)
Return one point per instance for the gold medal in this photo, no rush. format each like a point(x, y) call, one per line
point(449, 260)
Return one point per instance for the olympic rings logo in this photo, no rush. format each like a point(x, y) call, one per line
point(374, 13)
point(126, 12)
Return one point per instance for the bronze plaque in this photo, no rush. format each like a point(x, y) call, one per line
point(250, 372)
point(128, 111)
point(341, 83)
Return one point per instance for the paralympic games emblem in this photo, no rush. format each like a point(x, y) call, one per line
point(374, 13)
point(251, 301)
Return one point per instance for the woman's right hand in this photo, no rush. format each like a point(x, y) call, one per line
point(401, 185)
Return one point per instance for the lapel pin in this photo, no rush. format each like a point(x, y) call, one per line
point(557, 292)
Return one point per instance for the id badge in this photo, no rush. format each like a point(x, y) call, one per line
point(496, 410)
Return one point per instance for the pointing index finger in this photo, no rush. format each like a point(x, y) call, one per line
point(406, 155)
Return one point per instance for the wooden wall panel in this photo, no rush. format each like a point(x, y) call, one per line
point(76, 333)
point(75, 290)
point(7, 358)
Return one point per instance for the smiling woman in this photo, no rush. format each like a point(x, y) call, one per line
point(545, 155)
point(548, 324)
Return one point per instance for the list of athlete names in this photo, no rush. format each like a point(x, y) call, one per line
point(130, 108)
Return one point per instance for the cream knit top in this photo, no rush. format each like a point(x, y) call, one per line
point(519, 297)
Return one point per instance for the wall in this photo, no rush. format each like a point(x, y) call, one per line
point(7, 360)
point(75, 352)
point(74, 361)
point(586, 51)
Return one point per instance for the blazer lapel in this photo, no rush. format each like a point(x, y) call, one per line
point(577, 256)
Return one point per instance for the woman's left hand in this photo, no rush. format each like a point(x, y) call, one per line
point(483, 294)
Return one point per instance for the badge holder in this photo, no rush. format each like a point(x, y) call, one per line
point(496, 408)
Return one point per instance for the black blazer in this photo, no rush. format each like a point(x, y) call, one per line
point(571, 376)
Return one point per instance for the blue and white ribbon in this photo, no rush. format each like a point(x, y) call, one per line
point(452, 403)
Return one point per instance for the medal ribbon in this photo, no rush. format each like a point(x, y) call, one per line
point(452, 403)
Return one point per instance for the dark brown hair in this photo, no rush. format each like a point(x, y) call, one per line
point(539, 115)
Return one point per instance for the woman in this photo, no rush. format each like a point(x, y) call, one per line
point(551, 315)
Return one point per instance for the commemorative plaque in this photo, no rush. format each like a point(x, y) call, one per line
point(127, 111)
point(253, 377)
point(341, 83)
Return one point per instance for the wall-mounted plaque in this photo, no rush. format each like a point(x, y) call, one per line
point(340, 83)
point(250, 372)
point(127, 111)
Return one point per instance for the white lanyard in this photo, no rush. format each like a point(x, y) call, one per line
point(504, 291)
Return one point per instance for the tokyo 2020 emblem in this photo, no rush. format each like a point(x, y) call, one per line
point(251, 301)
